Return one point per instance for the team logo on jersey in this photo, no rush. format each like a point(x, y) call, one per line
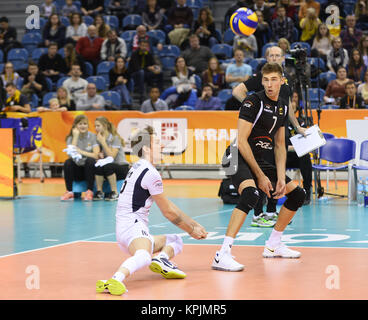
point(264, 145)
point(248, 104)
point(281, 111)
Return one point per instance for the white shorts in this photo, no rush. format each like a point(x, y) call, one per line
point(130, 229)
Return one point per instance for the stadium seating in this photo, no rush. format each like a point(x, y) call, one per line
point(224, 95)
point(112, 21)
point(37, 53)
point(131, 21)
point(169, 51)
point(99, 81)
point(47, 97)
point(222, 51)
point(103, 69)
point(316, 97)
point(30, 41)
point(112, 96)
point(18, 54)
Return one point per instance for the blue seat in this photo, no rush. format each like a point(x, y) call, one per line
point(254, 63)
point(198, 81)
point(99, 81)
point(19, 65)
point(170, 50)
point(88, 20)
point(363, 156)
point(1, 56)
point(34, 102)
point(30, 41)
point(49, 83)
point(112, 96)
point(61, 80)
point(81, 186)
point(328, 136)
point(266, 46)
point(112, 21)
point(158, 34)
point(103, 69)
point(37, 53)
point(328, 75)
point(224, 95)
point(316, 96)
point(318, 63)
point(128, 35)
point(194, 3)
point(229, 36)
point(18, 54)
point(131, 21)
point(47, 97)
point(89, 68)
point(222, 50)
point(65, 21)
point(168, 63)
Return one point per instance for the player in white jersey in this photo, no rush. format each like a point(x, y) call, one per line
point(142, 187)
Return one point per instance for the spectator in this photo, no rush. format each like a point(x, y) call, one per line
point(262, 33)
point(16, 101)
point(336, 88)
point(152, 17)
point(239, 71)
point(350, 36)
point(247, 44)
point(77, 28)
point(92, 7)
point(309, 26)
point(71, 57)
point(119, 78)
point(284, 44)
point(197, 56)
point(154, 103)
point(54, 106)
point(165, 5)
point(282, 26)
point(142, 34)
point(11, 76)
point(75, 85)
point(69, 8)
point(81, 162)
point(34, 82)
point(363, 48)
point(143, 68)
point(214, 76)
point(291, 10)
point(322, 42)
point(204, 28)
point(102, 27)
point(259, 5)
point(180, 19)
point(52, 64)
point(89, 47)
point(352, 99)
point(304, 6)
point(111, 145)
point(119, 8)
point(113, 47)
point(361, 11)
point(356, 67)
point(8, 37)
point(47, 9)
point(64, 99)
point(207, 101)
point(53, 31)
point(90, 100)
point(337, 56)
point(363, 89)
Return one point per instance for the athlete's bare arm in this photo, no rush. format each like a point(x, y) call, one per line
point(280, 160)
point(240, 92)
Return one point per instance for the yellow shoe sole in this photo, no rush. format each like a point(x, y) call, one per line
point(115, 287)
point(101, 286)
point(155, 267)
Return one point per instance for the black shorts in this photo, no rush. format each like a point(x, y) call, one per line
point(244, 172)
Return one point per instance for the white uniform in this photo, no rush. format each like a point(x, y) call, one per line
point(135, 201)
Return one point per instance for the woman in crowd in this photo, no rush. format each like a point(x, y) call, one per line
point(10, 76)
point(322, 42)
point(53, 31)
point(102, 27)
point(214, 76)
point(83, 151)
point(356, 67)
point(336, 88)
point(119, 79)
point(64, 99)
point(337, 56)
point(152, 17)
point(76, 29)
point(204, 28)
point(112, 164)
point(363, 48)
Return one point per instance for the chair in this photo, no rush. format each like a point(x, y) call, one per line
point(128, 35)
point(37, 53)
point(18, 54)
point(19, 65)
point(254, 63)
point(49, 83)
point(198, 82)
point(112, 21)
point(158, 34)
point(47, 97)
point(363, 156)
point(336, 151)
point(266, 46)
point(34, 102)
point(170, 51)
point(65, 21)
point(61, 80)
point(88, 20)
point(168, 63)
point(224, 95)
point(229, 36)
point(1, 56)
point(131, 21)
point(194, 3)
point(318, 63)
point(112, 96)
point(303, 45)
point(61, 51)
point(316, 96)
point(103, 69)
point(328, 136)
point(328, 76)
point(89, 68)
point(99, 81)
point(30, 41)
point(222, 50)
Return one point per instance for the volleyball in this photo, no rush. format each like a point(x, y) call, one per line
point(244, 22)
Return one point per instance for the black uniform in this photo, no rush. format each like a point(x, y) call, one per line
point(267, 117)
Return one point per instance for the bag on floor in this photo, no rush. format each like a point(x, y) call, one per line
point(228, 192)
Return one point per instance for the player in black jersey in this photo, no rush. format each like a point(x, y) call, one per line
point(261, 126)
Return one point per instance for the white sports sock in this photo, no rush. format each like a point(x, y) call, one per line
point(275, 238)
point(227, 244)
point(119, 276)
point(163, 255)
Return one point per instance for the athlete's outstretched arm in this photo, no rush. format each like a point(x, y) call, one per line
point(280, 160)
point(240, 92)
point(178, 217)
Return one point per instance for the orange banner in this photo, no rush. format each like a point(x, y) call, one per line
point(6, 163)
point(191, 137)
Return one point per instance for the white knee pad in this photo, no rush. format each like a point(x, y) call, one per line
point(140, 259)
point(174, 241)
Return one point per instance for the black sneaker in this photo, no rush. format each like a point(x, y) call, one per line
point(113, 196)
point(307, 200)
point(98, 196)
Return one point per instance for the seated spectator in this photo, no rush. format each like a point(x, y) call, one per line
point(81, 162)
point(363, 48)
point(52, 64)
point(69, 8)
point(239, 71)
point(207, 101)
point(47, 9)
point(76, 85)
point(322, 42)
point(197, 56)
point(291, 10)
point(152, 16)
point(16, 101)
point(356, 67)
point(247, 44)
point(54, 106)
point(119, 78)
point(337, 56)
point(92, 7)
point(262, 33)
point(350, 35)
point(144, 69)
point(260, 5)
point(336, 88)
point(111, 145)
point(102, 27)
point(8, 37)
point(90, 100)
point(34, 82)
point(352, 99)
point(304, 6)
point(284, 44)
point(119, 8)
point(89, 47)
point(214, 76)
point(11, 76)
point(113, 47)
point(363, 88)
point(76, 30)
point(309, 26)
point(282, 26)
point(64, 99)
point(71, 57)
point(53, 31)
point(154, 103)
point(204, 28)
point(361, 11)
point(180, 19)
point(142, 34)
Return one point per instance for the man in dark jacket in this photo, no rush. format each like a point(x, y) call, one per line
point(8, 36)
point(52, 64)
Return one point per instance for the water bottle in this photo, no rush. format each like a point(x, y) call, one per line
point(360, 192)
point(366, 193)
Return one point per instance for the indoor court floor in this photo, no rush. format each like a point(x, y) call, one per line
point(53, 250)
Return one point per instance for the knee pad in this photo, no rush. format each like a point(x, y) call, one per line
point(140, 259)
point(248, 199)
point(174, 241)
point(295, 199)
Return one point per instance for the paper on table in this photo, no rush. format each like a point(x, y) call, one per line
point(313, 140)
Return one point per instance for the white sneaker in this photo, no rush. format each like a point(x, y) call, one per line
point(224, 261)
point(282, 251)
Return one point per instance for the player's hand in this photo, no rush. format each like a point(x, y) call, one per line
point(198, 232)
point(302, 131)
point(265, 185)
point(280, 189)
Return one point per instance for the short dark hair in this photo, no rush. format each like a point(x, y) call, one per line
point(141, 138)
point(143, 41)
point(272, 67)
point(10, 84)
point(4, 19)
point(349, 83)
point(52, 44)
point(206, 85)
